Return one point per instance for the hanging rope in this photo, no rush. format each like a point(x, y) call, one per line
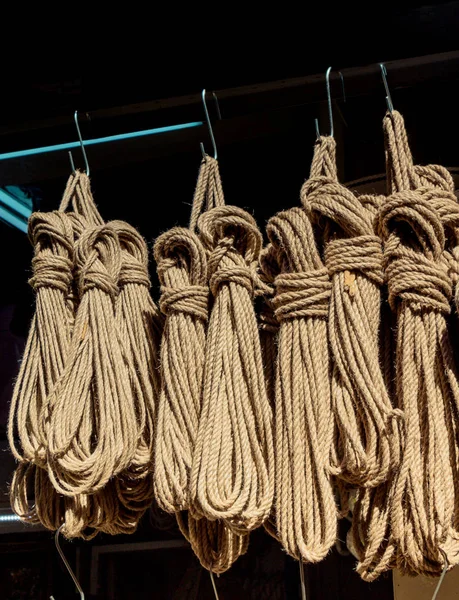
point(368, 443)
point(419, 507)
point(232, 475)
point(216, 545)
point(182, 270)
point(306, 515)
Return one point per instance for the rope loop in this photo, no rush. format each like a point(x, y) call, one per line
point(98, 260)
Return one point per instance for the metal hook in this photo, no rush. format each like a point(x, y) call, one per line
point(67, 566)
point(214, 585)
point(442, 576)
point(330, 108)
point(83, 150)
point(342, 86)
point(209, 125)
point(302, 581)
point(390, 106)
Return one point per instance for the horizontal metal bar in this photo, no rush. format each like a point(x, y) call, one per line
point(96, 141)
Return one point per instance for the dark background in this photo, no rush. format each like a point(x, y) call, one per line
point(58, 63)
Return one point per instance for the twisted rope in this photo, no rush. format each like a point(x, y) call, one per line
point(306, 515)
point(232, 474)
point(414, 520)
point(182, 269)
point(368, 443)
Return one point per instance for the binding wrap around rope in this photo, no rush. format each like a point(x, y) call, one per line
point(413, 520)
point(115, 507)
point(368, 444)
point(305, 511)
point(232, 475)
point(182, 270)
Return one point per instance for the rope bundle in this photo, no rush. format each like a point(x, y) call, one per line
point(306, 516)
point(412, 520)
point(232, 475)
point(75, 412)
point(367, 449)
point(182, 269)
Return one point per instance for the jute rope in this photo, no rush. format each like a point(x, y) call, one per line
point(117, 506)
point(305, 511)
point(214, 543)
point(182, 269)
point(412, 521)
point(232, 474)
point(368, 442)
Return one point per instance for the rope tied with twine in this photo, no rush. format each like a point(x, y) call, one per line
point(232, 475)
point(182, 270)
point(305, 511)
point(49, 337)
point(139, 323)
point(368, 444)
point(413, 520)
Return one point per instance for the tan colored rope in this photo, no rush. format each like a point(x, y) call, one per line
point(232, 474)
point(216, 545)
point(182, 270)
point(117, 507)
point(305, 510)
point(368, 443)
point(416, 513)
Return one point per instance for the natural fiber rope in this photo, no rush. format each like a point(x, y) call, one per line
point(182, 269)
point(232, 475)
point(416, 514)
point(305, 510)
point(216, 545)
point(118, 506)
point(368, 443)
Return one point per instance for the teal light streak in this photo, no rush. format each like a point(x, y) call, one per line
point(102, 140)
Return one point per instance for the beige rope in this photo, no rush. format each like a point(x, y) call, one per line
point(306, 515)
point(182, 270)
point(418, 509)
point(216, 545)
point(369, 445)
point(232, 474)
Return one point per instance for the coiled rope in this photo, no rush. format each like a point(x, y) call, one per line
point(232, 474)
point(305, 510)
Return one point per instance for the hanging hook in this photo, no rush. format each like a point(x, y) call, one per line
point(390, 106)
point(214, 585)
point(303, 584)
point(209, 125)
point(83, 149)
point(330, 108)
point(442, 576)
point(67, 566)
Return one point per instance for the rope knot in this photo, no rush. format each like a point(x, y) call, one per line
point(416, 219)
point(182, 270)
point(415, 279)
point(234, 242)
point(192, 300)
point(98, 260)
point(302, 294)
point(52, 236)
point(134, 264)
point(325, 197)
point(363, 254)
